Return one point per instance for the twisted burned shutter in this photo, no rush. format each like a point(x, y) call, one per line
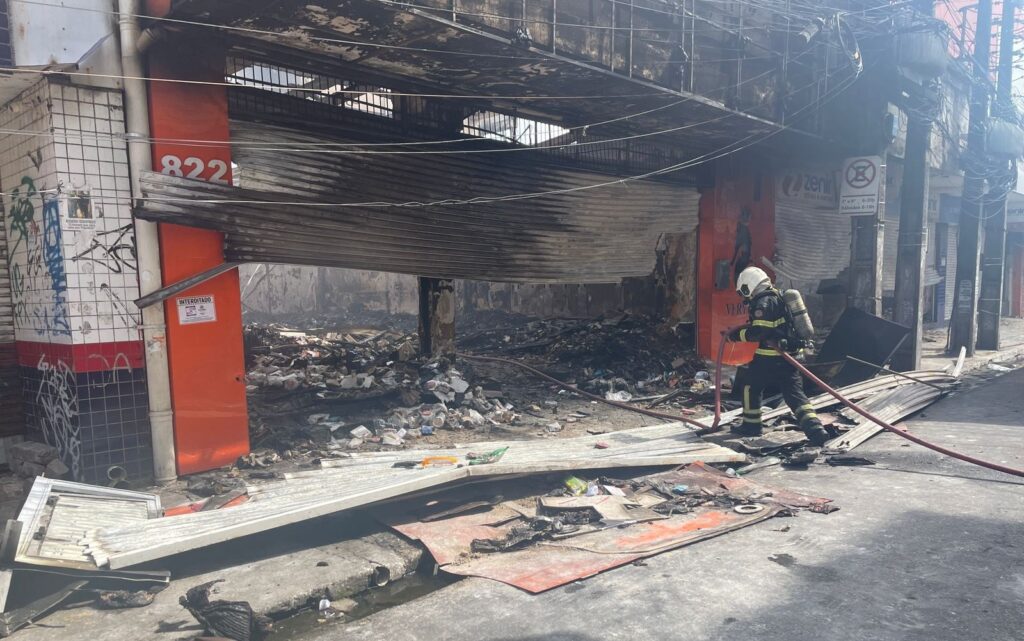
point(286, 210)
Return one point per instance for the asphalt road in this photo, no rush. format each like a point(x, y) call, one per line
point(923, 548)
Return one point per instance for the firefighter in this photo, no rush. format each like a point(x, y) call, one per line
point(770, 326)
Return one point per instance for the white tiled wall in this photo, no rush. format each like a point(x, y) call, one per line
point(92, 157)
point(66, 141)
point(28, 175)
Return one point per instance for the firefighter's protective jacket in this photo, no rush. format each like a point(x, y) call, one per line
point(768, 324)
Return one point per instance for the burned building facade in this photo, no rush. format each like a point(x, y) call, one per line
point(552, 157)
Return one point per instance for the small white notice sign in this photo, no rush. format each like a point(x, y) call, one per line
point(859, 189)
point(196, 309)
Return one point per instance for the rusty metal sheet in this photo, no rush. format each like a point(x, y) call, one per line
point(550, 564)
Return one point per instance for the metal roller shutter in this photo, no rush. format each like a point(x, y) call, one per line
point(952, 238)
point(811, 245)
point(571, 234)
point(12, 421)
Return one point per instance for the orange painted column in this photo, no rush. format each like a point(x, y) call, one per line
point(737, 228)
point(204, 324)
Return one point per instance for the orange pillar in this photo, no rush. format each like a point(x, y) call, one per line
point(204, 324)
point(737, 224)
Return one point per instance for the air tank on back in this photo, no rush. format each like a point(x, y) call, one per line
point(801, 319)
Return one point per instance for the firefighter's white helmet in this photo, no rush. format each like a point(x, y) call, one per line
point(752, 281)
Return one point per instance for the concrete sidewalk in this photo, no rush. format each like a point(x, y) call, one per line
point(1011, 339)
point(924, 549)
point(276, 572)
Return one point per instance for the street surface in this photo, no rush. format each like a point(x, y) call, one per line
point(924, 548)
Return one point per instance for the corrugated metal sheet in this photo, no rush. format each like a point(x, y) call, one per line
point(574, 235)
point(372, 477)
point(57, 515)
point(811, 245)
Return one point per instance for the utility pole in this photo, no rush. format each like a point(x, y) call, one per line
point(994, 253)
point(908, 296)
point(913, 216)
point(962, 325)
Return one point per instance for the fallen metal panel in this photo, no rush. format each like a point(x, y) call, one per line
point(865, 336)
point(550, 565)
point(365, 479)
point(57, 514)
point(11, 622)
point(891, 407)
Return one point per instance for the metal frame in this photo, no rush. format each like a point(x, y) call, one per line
point(37, 507)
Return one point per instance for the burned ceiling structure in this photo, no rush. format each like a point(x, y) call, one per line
point(707, 75)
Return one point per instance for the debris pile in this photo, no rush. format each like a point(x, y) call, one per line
point(294, 370)
point(537, 537)
point(624, 358)
point(350, 389)
point(30, 459)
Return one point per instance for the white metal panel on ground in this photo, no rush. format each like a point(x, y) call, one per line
point(57, 514)
point(366, 479)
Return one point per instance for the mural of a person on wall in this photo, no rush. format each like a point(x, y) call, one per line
point(744, 246)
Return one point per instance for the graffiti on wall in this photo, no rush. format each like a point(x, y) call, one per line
point(113, 251)
point(57, 407)
point(39, 284)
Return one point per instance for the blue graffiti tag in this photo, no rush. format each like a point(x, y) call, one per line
point(53, 256)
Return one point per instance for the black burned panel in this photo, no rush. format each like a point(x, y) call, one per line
point(98, 421)
point(6, 51)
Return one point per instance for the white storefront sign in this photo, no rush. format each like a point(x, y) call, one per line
point(815, 189)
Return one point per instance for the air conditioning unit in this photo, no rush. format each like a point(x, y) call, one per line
point(1005, 138)
point(923, 52)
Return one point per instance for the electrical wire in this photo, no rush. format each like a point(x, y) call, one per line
point(356, 43)
point(729, 149)
point(300, 90)
point(293, 146)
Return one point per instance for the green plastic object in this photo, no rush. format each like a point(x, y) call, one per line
point(490, 457)
point(577, 486)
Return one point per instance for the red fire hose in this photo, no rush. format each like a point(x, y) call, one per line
point(910, 437)
point(703, 428)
